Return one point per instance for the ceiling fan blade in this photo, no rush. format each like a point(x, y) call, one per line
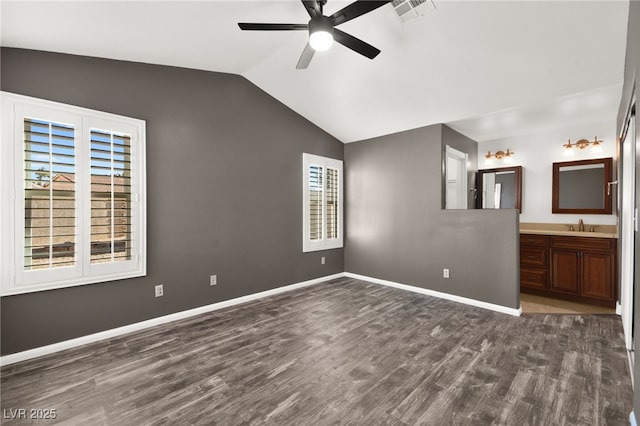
point(355, 44)
point(313, 8)
point(354, 10)
point(305, 58)
point(272, 27)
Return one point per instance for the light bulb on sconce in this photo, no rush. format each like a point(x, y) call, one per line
point(508, 158)
point(568, 149)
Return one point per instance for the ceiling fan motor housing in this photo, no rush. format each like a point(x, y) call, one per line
point(320, 23)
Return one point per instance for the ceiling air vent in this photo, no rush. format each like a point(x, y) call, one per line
point(409, 9)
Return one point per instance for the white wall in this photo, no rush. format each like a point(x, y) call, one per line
point(536, 152)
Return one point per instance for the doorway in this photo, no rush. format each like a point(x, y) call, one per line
point(456, 178)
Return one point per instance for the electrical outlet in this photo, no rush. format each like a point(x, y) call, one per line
point(159, 290)
point(322, 260)
point(445, 273)
point(213, 280)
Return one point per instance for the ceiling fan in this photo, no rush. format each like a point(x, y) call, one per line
point(322, 29)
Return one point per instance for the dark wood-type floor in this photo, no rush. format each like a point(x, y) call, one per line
point(343, 352)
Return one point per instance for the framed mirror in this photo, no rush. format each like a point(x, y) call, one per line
point(582, 186)
point(500, 188)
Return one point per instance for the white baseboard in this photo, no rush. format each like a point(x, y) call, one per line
point(91, 338)
point(452, 297)
point(107, 334)
point(618, 308)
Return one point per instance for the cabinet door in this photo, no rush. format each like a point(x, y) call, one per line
point(597, 275)
point(565, 271)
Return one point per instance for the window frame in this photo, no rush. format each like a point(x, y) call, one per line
point(324, 243)
point(14, 278)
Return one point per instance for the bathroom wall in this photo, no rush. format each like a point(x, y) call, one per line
point(536, 152)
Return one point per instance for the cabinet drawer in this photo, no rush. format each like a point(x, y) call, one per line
point(584, 243)
point(533, 278)
point(533, 256)
point(533, 240)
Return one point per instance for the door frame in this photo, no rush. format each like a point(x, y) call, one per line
point(629, 238)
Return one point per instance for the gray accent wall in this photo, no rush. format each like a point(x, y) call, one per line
point(630, 88)
point(224, 164)
point(397, 231)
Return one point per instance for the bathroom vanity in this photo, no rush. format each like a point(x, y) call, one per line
point(572, 265)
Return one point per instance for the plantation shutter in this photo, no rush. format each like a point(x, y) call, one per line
point(315, 202)
point(331, 203)
point(49, 195)
point(110, 197)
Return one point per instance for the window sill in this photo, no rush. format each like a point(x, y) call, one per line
point(25, 289)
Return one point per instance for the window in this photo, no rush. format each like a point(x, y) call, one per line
point(322, 210)
point(73, 196)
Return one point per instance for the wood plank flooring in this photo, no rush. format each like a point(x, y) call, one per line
point(342, 352)
point(534, 304)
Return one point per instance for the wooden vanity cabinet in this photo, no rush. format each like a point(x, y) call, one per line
point(579, 268)
point(584, 267)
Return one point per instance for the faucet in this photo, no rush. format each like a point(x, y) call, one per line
point(580, 226)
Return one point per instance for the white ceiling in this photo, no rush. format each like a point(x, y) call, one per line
point(487, 68)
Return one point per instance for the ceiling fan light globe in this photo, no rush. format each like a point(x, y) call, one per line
point(321, 40)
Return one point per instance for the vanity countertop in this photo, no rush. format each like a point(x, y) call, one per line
point(601, 231)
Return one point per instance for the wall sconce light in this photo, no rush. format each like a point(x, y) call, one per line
point(499, 155)
point(595, 144)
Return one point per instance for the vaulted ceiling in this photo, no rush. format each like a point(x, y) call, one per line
point(473, 64)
